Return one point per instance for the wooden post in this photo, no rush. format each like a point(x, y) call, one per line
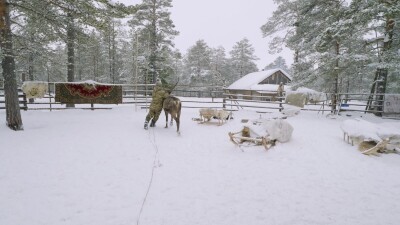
point(48, 87)
point(24, 101)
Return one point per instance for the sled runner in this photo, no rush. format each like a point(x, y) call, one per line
point(378, 148)
point(238, 139)
point(206, 114)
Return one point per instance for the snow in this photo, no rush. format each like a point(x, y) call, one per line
point(102, 167)
point(276, 129)
point(312, 95)
point(90, 82)
point(363, 129)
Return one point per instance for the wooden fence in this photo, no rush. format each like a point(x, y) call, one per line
point(23, 103)
point(140, 95)
point(346, 102)
point(378, 104)
point(262, 104)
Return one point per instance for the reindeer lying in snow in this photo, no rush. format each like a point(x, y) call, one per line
point(172, 105)
point(206, 114)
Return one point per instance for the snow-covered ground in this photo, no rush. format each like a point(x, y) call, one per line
point(101, 167)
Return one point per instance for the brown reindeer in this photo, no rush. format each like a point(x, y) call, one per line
point(172, 105)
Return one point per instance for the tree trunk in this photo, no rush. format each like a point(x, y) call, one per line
point(380, 81)
point(113, 54)
point(70, 51)
point(383, 72)
point(30, 71)
point(79, 59)
point(13, 113)
point(153, 53)
point(336, 74)
point(153, 43)
point(109, 51)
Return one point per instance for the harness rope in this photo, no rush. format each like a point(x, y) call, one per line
point(152, 138)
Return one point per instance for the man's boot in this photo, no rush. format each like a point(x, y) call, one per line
point(152, 123)
point(146, 125)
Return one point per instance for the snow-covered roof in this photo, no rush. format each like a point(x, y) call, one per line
point(251, 81)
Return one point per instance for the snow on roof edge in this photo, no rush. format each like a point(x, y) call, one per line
point(251, 80)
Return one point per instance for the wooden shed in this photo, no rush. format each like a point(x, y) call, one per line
point(259, 85)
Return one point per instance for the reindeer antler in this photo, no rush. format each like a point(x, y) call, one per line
point(170, 89)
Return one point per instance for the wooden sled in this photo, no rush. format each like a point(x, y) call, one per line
point(239, 138)
point(371, 138)
point(378, 148)
point(206, 114)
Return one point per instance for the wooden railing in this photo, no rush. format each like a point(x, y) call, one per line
point(347, 102)
point(140, 95)
point(23, 103)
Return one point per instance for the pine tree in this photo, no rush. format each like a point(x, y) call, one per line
point(33, 49)
point(45, 19)
point(109, 34)
point(328, 38)
point(157, 29)
point(381, 17)
point(197, 63)
point(242, 58)
point(280, 63)
point(281, 26)
point(220, 67)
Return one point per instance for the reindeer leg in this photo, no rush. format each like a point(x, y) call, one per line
point(166, 119)
point(177, 123)
point(201, 119)
point(172, 120)
point(178, 120)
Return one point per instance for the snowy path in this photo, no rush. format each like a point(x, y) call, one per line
point(84, 167)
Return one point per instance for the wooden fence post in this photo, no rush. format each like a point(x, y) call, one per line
point(25, 102)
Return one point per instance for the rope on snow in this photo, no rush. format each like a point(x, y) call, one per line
point(153, 141)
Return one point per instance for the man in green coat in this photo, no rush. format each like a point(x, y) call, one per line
point(159, 95)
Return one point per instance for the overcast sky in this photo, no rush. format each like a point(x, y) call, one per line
point(223, 23)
